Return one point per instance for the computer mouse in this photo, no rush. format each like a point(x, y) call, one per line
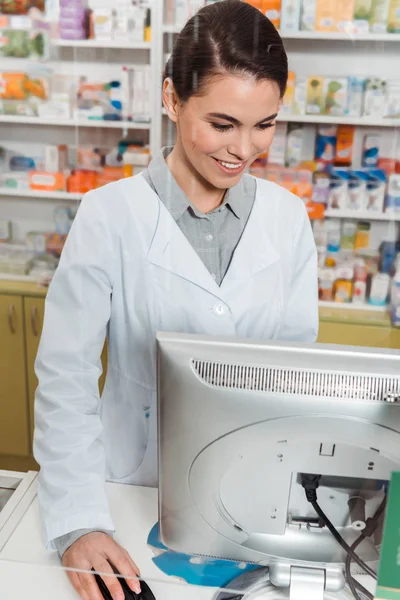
point(145, 594)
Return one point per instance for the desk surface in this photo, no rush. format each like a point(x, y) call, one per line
point(28, 571)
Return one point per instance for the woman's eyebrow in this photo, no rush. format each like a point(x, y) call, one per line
point(236, 121)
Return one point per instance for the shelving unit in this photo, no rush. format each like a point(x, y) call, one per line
point(362, 216)
point(21, 120)
point(26, 194)
point(327, 119)
point(321, 36)
point(353, 306)
point(113, 44)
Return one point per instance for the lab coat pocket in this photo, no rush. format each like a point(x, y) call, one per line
point(126, 432)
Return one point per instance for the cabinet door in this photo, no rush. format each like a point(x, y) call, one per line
point(34, 314)
point(14, 438)
point(354, 335)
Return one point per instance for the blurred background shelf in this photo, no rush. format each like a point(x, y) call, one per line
point(73, 123)
point(56, 196)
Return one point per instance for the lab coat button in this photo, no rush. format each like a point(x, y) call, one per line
point(209, 237)
point(219, 310)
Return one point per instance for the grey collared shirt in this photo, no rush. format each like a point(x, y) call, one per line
point(214, 235)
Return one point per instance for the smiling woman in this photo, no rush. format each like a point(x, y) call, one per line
point(191, 245)
point(217, 63)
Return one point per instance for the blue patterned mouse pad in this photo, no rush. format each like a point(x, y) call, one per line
point(195, 570)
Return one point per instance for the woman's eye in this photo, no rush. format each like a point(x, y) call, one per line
point(220, 127)
point(265, 126)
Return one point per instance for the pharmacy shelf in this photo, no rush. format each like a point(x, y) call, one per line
point(14, 193)
point(316, 35)
point(22, 278)
point(362, 215)
point(353, 306)
point(342, 36)
point(326, 119)
point(172, 28)
point(73, 123)
point(112, 44)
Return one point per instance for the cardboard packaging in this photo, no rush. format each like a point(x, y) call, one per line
point(394, 17)
point(315, 96)
point(335, 96)
point(272, 10)
point(344, 146)
point(47, 182)
point(326, 15)
point(379, 16)
point(308, 15)
point(375, 100)
point(290, 16)
point(344, 15)
point(288, 99)
point(362, 15)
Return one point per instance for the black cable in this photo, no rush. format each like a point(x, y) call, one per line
point(340, 540)
point(370, 526)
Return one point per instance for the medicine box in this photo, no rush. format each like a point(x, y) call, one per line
point(326, 15)
point(290, 16)
point(375, 97)
point(308, 15)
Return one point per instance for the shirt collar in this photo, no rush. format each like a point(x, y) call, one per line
point(175, 198)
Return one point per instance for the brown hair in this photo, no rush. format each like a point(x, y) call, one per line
point(228, 36)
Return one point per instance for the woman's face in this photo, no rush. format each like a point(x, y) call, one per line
point(224, 130)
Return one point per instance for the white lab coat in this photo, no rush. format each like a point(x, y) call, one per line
point(128, 271)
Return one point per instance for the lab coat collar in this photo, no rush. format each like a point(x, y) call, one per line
point(171, 250)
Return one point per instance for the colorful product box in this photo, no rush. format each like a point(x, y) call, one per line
point(375, 100)
point(325, 150)
point(47, 182)
point(338, 192)
point(362, 15)
point(344, 146)
point(357, 190)
point(315, 96)
point(272, 10)
point(393, 194)
point(394, 17)
point(288, 99)
point(325, 19)
point(355, 96)
point(335, 95)
point(379, 16)
point(370, 153)
point(376, 187)
point(393, 100)
point(300, 96)
point(344, 15)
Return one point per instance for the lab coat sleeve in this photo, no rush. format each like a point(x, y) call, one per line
point(300, 319)
point(67, 440)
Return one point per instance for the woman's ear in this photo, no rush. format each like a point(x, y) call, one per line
point(170, 99)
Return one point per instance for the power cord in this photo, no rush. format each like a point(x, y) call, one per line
point(370, 526)
point(310, 484)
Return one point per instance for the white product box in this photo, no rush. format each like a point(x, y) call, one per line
point(290, 16)
point(308, 15)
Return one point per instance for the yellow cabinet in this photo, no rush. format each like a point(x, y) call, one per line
point(14, 438)
point(354, 335)
point(34, 314)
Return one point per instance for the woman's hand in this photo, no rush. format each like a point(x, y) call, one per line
point(96, 551)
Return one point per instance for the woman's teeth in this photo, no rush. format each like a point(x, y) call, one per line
point(230, 165)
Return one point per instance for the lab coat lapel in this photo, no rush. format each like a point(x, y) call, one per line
point(171, 250)
point(255, 250)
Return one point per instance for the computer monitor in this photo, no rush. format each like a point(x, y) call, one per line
point(241, 422)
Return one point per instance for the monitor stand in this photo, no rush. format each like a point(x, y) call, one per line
point(283, 581)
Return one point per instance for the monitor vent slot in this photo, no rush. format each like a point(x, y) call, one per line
point(298, 382)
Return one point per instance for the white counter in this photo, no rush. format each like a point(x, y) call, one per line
point(29, 572)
